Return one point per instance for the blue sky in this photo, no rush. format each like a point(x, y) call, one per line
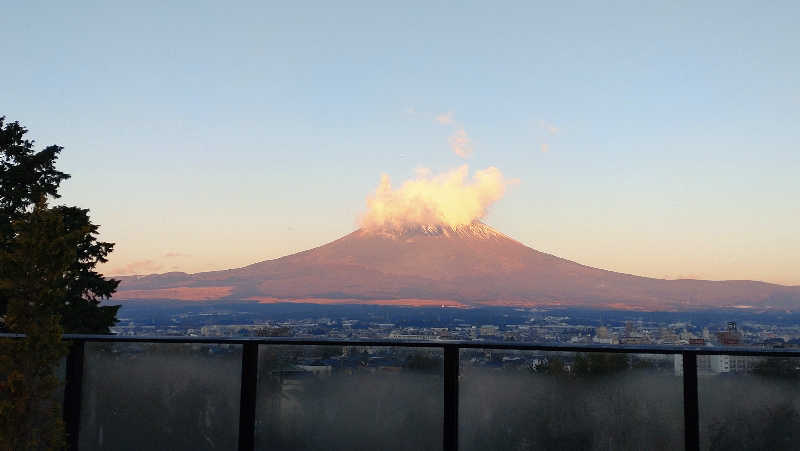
point(205, 136)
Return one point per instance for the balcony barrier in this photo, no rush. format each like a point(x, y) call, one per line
point(451, 351)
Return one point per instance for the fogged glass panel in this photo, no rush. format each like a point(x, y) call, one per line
point(749, 403)
point(349, 398)
point(140, 396)
point(526, 400)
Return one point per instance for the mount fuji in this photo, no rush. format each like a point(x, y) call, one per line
point(464, 266)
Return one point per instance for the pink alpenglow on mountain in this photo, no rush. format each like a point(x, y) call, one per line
point(457, 266)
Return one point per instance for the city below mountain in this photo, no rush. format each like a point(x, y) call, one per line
point(469, 266)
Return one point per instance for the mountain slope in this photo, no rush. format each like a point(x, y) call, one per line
point(472, 265)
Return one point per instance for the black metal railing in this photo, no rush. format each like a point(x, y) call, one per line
point(451, 349)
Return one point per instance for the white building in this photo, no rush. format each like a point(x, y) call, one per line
point(718, 364)
point(490, 331)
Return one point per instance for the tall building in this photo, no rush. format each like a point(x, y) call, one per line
point(601, 332)
point(628, 328)
point(731, 336)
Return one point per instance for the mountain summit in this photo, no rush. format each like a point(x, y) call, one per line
point(469, 265)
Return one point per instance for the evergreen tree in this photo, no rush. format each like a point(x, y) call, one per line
point(26, 177)
point(32, 278)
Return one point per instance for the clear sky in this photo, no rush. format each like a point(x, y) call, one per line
point(655, 138)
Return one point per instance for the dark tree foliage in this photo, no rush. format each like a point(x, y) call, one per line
point(778, 367)
point(273, 332)
point(25, 175)
point(552, 366)
point(28, 176)
point(31, 276)
point(641, 364)
point(81, 312)
point(599, 364)
point(421, 362)
point(586, 365)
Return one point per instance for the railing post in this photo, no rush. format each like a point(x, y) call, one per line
point(73, 386)
point(450, 423)
point(691, 416)
point(247, 397)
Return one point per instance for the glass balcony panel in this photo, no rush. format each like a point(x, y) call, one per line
point(349, 398)
point(749, 402)
point(529, 400)
point(140, 396)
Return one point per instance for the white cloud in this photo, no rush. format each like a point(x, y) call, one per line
point(459, 140)
point(136, 267)
point(175, 254)
point(450, 198)
point(460, 143)
point(551, 129)
point(445, 118)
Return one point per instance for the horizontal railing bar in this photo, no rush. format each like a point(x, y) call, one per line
point(12, 335)
point(498, 345)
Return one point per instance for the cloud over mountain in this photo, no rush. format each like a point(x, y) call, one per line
point(449, 199)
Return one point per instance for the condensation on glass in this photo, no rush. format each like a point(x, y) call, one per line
point(748, 402)
point(140, 396)
point(531, 400)
point(349, 397)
